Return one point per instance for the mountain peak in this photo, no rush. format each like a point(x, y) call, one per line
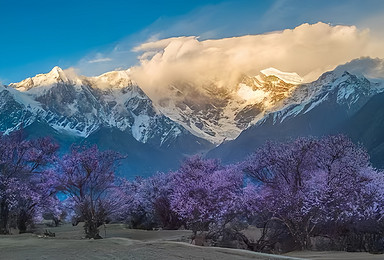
point(58, 74)
point(56, 70)
point(113, 79)
point(287, 77)
point(372, 69)
point(55, 76)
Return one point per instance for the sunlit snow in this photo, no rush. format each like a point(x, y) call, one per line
point(288, 77)
point(248, 93)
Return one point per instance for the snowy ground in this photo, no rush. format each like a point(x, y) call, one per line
point(122, 243)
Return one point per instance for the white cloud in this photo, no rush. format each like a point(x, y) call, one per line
point(309, 50)
point(100, 60)
point(117, 56)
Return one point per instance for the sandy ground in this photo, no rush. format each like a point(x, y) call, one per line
point(122, 243)
point(335, 255)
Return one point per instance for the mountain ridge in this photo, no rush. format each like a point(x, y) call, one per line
point(272, 105)
point(329, 105)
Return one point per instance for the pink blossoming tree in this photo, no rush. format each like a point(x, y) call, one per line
point(309, 184)
point(87, 177)
point(27, 185)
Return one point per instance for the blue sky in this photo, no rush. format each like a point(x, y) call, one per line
point(38, 35)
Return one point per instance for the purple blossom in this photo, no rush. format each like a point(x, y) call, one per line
point(205, 192)
point(87, 176)
point(27, 185)
point(309, 184)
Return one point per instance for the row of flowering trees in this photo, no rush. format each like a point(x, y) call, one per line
point(300, 189)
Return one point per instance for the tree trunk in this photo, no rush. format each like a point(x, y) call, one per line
point(91, 230)
point(22, 220)
point(300, 234)
point(4, 217)
point(303, 240)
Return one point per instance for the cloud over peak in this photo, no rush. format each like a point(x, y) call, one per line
point(309, 50)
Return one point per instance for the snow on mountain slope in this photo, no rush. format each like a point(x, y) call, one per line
point(80, 105)
point(325, 106)
point(347, 89)
point(291, 78)
point(42, 82)
point(112, 80)
point(221, 113)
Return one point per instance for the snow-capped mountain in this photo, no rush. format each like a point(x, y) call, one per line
point(109, 110)
point(219, 113)
point(113, 111)
point(326, 106)
point(79, 105)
